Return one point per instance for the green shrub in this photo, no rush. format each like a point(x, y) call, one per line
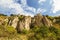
point(44, 31)
point(7, 31)
point(24, 31)
point(32, 38)
point(21, 17)
point(53, 29)
point(51, 36)
point(11, 29)
point(35, 29)
point(3, 31)
point(38, 36)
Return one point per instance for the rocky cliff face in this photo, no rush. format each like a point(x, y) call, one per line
point(46, 21)
point(38, 20)
point(13, 21)
point(25, 22)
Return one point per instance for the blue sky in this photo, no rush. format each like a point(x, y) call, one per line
point(30, 7)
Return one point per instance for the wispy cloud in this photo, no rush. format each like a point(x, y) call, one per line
point(41, 1)
point(40, 10)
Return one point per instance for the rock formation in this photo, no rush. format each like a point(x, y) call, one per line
point(13, 22)
point(46, 21)
point(27, 22)
point(24, 23)
point(38, 20)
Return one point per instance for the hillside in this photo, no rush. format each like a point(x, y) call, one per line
point(20, 27)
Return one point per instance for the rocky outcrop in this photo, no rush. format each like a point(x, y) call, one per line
point(46, 21)
point(21, 23)
point(27, 22)
point(54, 20)
point(13, 22)
point(38, 20)
point(24, 24)
point(20, 26)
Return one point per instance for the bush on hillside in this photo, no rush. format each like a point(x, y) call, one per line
point(11, 29)
point(7, 31)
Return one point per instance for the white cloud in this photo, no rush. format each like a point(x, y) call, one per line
point(17, 7)
point(30, 9)
point(10, 4)
point(24, 2)
point(5, 3)
point(40, 1)
point(56, 6)
point(26, 7)
point(41, 10)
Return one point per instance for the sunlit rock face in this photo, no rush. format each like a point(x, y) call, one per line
point(13, 21)
point(27, 22)
point(46, 21)
point(20, 26)
point(38, 20)
point(24, 24)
